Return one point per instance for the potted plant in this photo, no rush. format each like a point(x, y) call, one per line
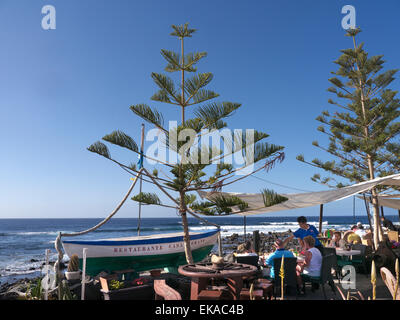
point(73, 272)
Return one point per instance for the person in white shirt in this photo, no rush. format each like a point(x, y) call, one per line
point(312, 262)
point(360, 230)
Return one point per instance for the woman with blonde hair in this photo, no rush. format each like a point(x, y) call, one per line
point(312, 262)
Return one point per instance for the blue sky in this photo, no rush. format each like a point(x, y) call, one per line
point(61, 90)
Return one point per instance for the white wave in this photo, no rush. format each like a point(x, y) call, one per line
point(228, 230)
point(37, 233)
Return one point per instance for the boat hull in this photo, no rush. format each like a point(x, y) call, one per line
point(140, 253)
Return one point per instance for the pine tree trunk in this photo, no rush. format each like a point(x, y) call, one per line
point(377, 222)
point(182, 206)
point(185, 224)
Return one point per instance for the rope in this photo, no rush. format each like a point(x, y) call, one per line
point(109, 217)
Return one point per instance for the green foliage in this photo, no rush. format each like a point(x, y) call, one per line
point(66, 293)
point(220, 205)
point(35, 290)
point(192, 172)
point(271, 198)
point(115, 285)
point(363, 129)
point(121, 139)
point(100, 148)
point(148, 114)
point(147, 198)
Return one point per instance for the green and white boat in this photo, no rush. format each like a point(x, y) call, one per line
point(140, 253)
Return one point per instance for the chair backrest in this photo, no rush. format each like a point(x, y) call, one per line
point(390, 282)
point(328, 262)
point(289, 266)
point(360, 247)
point(331, 251)
point(393, 235)
point(346, 235)
point(252, 260)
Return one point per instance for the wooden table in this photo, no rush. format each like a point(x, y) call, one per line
point(201, 273)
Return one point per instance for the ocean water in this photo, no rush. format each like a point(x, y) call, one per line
point(23, 241)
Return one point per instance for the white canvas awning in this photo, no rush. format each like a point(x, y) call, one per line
point(303, 200)
point(390, 203)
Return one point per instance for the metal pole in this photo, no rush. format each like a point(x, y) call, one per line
point(321, 213)
point(244, 225)
point(84, 274)
point(354, 209)
point(46, 289)
point(141, 182)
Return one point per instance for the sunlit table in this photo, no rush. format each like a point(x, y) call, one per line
point(347, 253)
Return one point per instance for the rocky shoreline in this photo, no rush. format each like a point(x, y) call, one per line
point(16, 287)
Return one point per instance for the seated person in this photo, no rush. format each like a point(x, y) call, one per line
point(337, 241)
point(353, 238)
point(279, 252)
point(312, 263)
point(305, 230)
point(360, 230)
point(388, 224)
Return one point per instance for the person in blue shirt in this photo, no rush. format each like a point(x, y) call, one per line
point(279, 252)
point(304, 231)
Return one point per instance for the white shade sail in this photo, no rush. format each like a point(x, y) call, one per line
point(303, 200)
point(390, 203)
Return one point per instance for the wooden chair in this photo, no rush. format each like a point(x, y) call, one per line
point(266, 286)
point(164, 291)
point(210, 295)
point(390, 282)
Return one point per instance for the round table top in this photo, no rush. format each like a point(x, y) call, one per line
point(207, 270)
point(343, 252)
